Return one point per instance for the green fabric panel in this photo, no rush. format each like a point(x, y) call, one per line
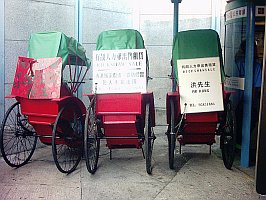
point(44, 45)
point(56, 44)
point(120, 39)
point(197, 44)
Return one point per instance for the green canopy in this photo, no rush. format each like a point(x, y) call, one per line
point(120, 39)
point(56, 44)
point(197, 44)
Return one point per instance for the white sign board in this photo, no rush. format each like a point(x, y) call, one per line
point(235, 83)
point(200, 85)
point(120, 71)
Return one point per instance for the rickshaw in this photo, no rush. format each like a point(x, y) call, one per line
point(45, 85)
point(121, 111)
point(198, 108)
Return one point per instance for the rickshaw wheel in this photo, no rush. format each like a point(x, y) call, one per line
point(18, 138)
point(149, 139)
point(91, 140)
point(228, 137)
point(67, 139)
point(172, 137)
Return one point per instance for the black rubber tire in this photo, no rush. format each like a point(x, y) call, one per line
point(149, 139)
point(91, 140)
point(228, 137)
point(172, 136)
point(67, 138)
point(18, 138)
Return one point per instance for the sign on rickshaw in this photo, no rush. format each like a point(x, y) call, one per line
point(200, 85)
point(37, 79)
point(47, 79)
point(120, 71)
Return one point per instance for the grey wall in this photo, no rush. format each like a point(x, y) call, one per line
point(195, 15)
point(23, 17)
point(154, 19)
point(99, 16)
point(156, 26)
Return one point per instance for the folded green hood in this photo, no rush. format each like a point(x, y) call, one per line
point(120, 39)
point(57, 44)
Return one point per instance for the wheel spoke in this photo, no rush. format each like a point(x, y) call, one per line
point(91, 139)
point(148, 133)
point(172, 136)
point(228, 137)
point(67, 140)
point(17, 145)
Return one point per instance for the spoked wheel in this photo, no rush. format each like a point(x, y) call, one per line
point(228, 137)
point(67, 141)
point(18, 138)
point(91, 140)
point(172, 137)
point(149, 139)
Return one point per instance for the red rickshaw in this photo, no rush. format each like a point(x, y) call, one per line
point(198, 108)
point(46, 107)
point(120, 110)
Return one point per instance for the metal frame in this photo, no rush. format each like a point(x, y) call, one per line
point(78, 20)
point(249, 60)
point(261, 147)
point(216, 22)
point(175, 30)
point(78, 30)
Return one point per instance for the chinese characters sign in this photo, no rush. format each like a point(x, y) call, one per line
point(242, 12)
point(200, 85)
point(120, 71)
point(236, 13)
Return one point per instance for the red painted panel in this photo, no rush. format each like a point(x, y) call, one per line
point(121, 130)
point(23, 79)
point(200, 128)
point(197, 139)
point(202, 117)
point(119, 118)
point(119, 103)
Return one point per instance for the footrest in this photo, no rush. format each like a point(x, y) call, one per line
point(119, 119)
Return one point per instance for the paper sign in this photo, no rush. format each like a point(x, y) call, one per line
point(47, 78)
point(200, 85)
point(23, 79)
point(119, 71)
point(235, 83)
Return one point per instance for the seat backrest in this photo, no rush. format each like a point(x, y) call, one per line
point(121, 39)
point(50, 45)
point(57, 44)
point(198, 70)
point(197, 44)
point(120, 62)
